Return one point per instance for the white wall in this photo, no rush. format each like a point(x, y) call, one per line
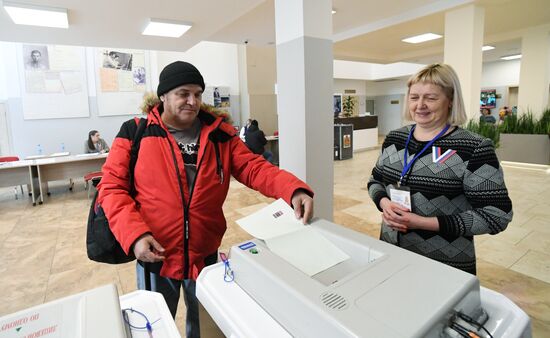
point(217, 62)
point(352, 70)
point(500, 73)
point(261, 74)
point(398, 86)
point(389, 114)
point(373, 71)
point(3, 77)
point(243, 85)
point(358, 85)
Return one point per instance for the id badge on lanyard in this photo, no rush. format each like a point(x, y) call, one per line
point(401, 195)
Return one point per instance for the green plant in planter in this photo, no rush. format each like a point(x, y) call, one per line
point(526, 124)
point(348, 105)
point(488, 130)
point(544, 122)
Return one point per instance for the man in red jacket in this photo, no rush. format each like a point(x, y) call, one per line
point(175, 221)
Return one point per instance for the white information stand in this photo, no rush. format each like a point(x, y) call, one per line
point(93, 313)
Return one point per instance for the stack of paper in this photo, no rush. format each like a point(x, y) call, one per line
point(87, 155)
point(64, 153)
point(287, 237)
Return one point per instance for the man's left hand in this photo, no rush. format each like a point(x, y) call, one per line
point(303, 206)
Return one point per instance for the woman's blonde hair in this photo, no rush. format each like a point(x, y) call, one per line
point(444, 76)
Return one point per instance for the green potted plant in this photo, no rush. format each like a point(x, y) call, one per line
point(348, 106)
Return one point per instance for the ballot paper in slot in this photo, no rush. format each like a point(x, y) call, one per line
point(298, 244)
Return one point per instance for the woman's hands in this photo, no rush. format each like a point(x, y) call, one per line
point(402, 219)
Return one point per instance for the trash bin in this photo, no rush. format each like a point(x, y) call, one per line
point(343, 141)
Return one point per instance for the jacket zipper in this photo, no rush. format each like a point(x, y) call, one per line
point(185, 218)
point(186, 265)
point(186, 207)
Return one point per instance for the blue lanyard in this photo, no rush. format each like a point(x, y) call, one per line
point(409, 165)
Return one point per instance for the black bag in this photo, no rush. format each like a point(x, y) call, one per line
point(101, 244)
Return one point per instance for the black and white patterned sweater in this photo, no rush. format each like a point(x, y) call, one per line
point(466, 193)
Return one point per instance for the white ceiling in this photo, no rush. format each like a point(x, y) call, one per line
point(364, 30)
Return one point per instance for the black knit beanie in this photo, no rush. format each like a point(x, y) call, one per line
point(177, 74)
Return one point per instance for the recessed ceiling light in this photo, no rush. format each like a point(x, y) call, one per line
point(487, 47)
point(422, 38)
point(23, 14)
point(333, 11)
point(167, 28)
point(511, 57)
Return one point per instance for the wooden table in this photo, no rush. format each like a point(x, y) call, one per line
point(66, 167)
point(18, 173)
point(36, 173)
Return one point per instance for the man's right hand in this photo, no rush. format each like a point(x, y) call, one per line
point(147, 249)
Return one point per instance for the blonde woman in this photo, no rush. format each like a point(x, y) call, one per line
point(436, 184)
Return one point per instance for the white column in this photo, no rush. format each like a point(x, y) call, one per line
point(534, 69)
point(304, 100)
point(463, 42)
point(243, 85)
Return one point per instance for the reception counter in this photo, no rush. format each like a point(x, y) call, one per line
point(365, 130)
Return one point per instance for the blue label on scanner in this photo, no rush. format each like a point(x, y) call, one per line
point(247, 245)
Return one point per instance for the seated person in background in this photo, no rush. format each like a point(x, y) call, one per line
point(255, 140)
point(95, 144)
point(486, 116)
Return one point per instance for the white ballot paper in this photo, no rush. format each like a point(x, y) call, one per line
point(286, 236)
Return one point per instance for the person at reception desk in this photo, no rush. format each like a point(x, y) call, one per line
point(436, 184)
point(174, 222)
point(95, 144)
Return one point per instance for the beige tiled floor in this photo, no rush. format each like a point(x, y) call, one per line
point(42, 248)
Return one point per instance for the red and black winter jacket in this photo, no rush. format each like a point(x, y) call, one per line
point(189, 225)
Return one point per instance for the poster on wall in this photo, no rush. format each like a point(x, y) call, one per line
point(122, 71)
point(122, 77)
point(217, 96)
point(51, 69)
point(54, 81)
point(337, 104)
